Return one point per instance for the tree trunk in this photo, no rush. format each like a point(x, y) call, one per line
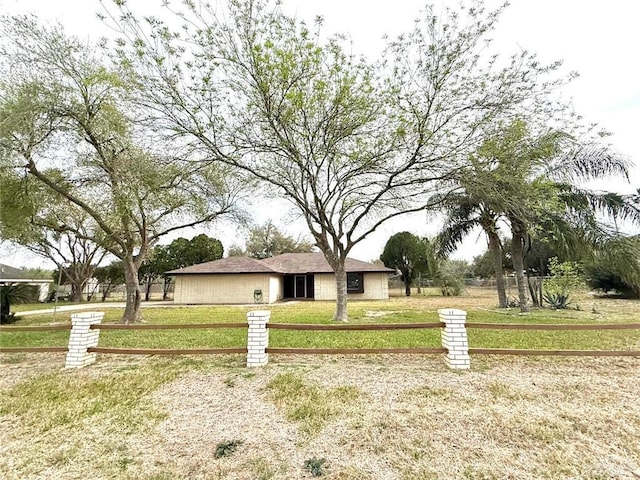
point(93, 292)
point(147, 291)
point(5, 306)
point(132, 307)
point(407, 284)
point(106, 290)
point(496, 258)
point(77, 289)
point(517, 241)
point(341, 314)
point(165, 288)
point(532, 283)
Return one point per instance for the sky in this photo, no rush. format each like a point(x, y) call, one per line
point(597, 39)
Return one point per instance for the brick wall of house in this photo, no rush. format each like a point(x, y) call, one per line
point(276, 290)
point(376, 287)
point(218, 289)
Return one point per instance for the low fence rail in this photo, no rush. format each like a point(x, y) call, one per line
point(370, 326)
point(167, 351)
point(186, 326)
point(35, 328)
point(557, 353)
point(555, 326)
point(85, 329)
point(354, 351)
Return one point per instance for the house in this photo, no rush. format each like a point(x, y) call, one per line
point(242, 280)
point(13, 276)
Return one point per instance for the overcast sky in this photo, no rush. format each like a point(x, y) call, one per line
point(599, 40)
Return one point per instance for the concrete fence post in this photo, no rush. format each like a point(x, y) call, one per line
point(258, 338)
point(454, 338)
point(81, 338)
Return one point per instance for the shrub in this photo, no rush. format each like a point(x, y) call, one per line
point(450, 277)
point(315, 466)
point(605, 278)
point(13, 294)
point(224, 449)
point(557, 301)
point(565, 279)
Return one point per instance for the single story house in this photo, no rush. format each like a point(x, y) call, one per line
point(13, 276)
point(242, 280)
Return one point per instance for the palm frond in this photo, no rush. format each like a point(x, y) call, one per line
point(453, 233)
point(588, 162)
point(609, 204)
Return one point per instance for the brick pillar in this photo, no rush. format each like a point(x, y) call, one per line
point(454, 338)
point(81, 338)
point(258, 338)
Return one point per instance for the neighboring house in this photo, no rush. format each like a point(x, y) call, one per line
point(12, 276)
point(242, 280)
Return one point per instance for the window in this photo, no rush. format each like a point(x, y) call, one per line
point(355, 282)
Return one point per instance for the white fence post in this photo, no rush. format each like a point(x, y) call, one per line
point(81, 338)
point(258, 338)
point(454, 338)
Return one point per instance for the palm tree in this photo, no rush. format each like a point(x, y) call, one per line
point(529, 180)
point(537, 175)
point(463, 214)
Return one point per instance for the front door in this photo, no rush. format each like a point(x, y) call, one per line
point(300, 284)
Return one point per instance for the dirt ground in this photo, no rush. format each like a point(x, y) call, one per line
point(410, 418)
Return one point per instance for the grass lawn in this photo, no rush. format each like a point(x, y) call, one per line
point(478, 302)
point(347, 417)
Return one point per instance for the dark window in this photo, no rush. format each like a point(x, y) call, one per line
point(355, 282)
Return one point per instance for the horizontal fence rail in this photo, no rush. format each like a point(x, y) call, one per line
point(167, 351)
point(554, 326)
point(35, 328)
point(186, 326)
point(559, 353)
point(370, 326)
point(354, 351)
point(34, 349)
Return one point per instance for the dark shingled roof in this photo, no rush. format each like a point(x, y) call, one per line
point(15, 275)
point(288, 263)
point(227, 265)
point(7, 272)
point(299, 263)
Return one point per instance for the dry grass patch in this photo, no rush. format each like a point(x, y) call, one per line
point(372, 418)
point(529, 420)
point(308, 404)
point(55, 422)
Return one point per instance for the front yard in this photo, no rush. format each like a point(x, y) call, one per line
point(346, 417)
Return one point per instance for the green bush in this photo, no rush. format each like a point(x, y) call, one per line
point(450, 277)
point(12, 294)
point(224, 449)
point(315, 466)
point(606, 279)
point(557, 301)
point(565, 279)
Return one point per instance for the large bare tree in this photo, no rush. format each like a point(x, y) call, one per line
point(67, 121)
point(349, 142)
